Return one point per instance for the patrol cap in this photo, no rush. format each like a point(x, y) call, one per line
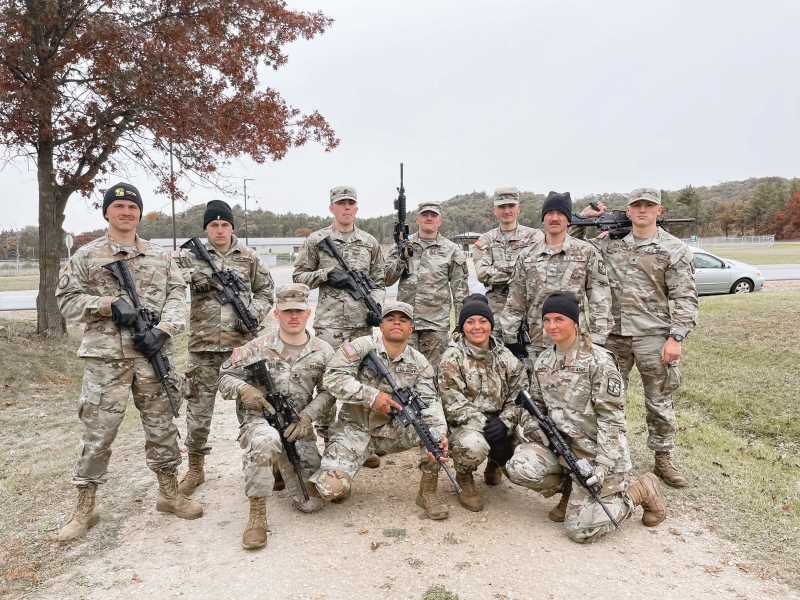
point(397, 306)
point(343, 192)
point(506, 195)
point(434, 207)
point(292, 296)
point(651, 195)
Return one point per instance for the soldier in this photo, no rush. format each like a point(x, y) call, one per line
point(654, 303)
point(559, 262)
point(116, 360)
point(338, 317)
point(479, 380)
point(432, 280)
point(496, 251)
point(364, 423)
point(296, 361)
point(579, 384)
point(215, 328)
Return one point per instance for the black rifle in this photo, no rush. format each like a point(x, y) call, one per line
point(230, 282)
point(146, 320)
point(401, 227)
point(359, 284)
point(616, 223)
point(580, 468)
point(411, 413)
point(524, 340)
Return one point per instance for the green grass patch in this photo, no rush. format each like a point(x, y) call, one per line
point(439, 592)
point(776, 254)
point(17, 283)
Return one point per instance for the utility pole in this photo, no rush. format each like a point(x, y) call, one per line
point(172, 195)
point(246, 238)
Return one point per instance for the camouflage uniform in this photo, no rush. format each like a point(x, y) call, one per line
point(432, 281)
point(576, 267)
point(358, 429)
point(475, 384)
point(212, 328)
point(583, 393)
point(114, 370)
point(296, 377)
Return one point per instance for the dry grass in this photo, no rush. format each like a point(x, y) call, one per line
point(778, 254)
point(16, 283)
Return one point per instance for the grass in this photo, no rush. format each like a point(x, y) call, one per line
point(16, 283)
point(739, 422)
point(777, 254)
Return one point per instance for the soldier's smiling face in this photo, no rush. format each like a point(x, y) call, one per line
point(344, 212)
point(396, 327)
point(478, 329)
point(123, 215)
point(219, 233)
point(507, 214)
point(561, 329)
point(643, 213)
point(429, 222)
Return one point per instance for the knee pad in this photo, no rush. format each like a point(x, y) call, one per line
point(334, 485)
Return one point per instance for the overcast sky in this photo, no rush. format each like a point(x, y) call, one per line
point(584, 97)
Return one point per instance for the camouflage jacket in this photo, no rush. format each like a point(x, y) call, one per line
point(83, 282)
point(495, 257)
point(539, 272)
point(212, 324)
point(475, 383)
point(652, 284)
point(336, 309)
point(357, 386)
point(432, 280)
point(300, 380)
point(583, 392)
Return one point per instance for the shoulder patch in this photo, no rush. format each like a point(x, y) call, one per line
point(235, 356)
point(614, 387)
point(350, 352)
point(63, 281)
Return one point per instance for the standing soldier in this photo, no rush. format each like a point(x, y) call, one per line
point(496, 251)
point(296, 361)
point(117, 360)
point(654, 302)
point(559, 262)
point(432, 280)
point(214, 327)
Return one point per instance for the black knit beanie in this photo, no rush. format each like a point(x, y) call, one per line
point(122, 191)
point(217, 209)
point(475, 304)
point(560, 202)
point(562, 303)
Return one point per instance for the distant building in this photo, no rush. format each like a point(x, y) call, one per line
point(268, 248)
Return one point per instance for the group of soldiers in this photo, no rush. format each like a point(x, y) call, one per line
point(563, 320)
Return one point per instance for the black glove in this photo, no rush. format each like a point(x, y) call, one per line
point(150, 342)
point(373, 318)
point(122, 313)
point(339, 279)
point(518, 350)
point(495, 431)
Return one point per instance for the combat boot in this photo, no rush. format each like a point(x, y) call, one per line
point(559, 512)
point(84, 517)
point(255, 534)
point(668, 473)
point(194, 476)
point(469, 497)
point(429, 499)
point(373, 461)
point(170, 500)
point(493, 473)
point(646, 492)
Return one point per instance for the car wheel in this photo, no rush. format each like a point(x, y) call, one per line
point(742, 286)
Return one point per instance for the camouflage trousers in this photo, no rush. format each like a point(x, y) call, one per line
point(348, 448)
point(202, 373)
point(107, 385)
point(658, 380)
point(431, 343)
point(497, 297)
point(262, 449)
point(535, 467)
point(468, 449)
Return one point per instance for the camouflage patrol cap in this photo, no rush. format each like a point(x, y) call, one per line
point(343, 192)
point(434, 207)
point(651, 195)
point(506, 195)
point(292, 296)
point(397, 306)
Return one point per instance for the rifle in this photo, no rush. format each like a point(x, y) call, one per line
point(146, 320)
point(616, 222)
point(524, 340)
point(411, 413)
point(231, 284)
point(580, 468)
point(360, 285)
point(401, 227)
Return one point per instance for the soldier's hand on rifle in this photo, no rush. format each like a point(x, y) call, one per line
point(597, 478)
point(384, 403)
point(150, 342)
point(444, 446)
point(300, 430)
point(123, 314)
point(373, 319)
point(339, 279)
point(252, 399)
point(590, 211)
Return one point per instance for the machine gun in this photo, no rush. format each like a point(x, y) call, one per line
point(146, 320)
point(359, 285)
point(410, 413)
point(401, 227)
point(616, 222)
point(580, 468)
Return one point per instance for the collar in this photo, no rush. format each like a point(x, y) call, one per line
point(337, 235)
point(117, 248)
point(404, 356)
point(236, 246)
point(414, 238)
point(630, 240)
point(565, 247)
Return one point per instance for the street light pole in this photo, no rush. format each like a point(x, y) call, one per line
point(172, 195)
point(246, 238)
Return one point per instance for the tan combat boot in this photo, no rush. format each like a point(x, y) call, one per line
point(84, 517)
point(170, 500)
point(559, 512)
point(646, 492)
point(255, 534)
point(429, 499)
point(668, 473)
point(194, 476)
point(493, 473)
point(469, 498)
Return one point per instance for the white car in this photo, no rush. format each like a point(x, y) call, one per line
point(716, 275)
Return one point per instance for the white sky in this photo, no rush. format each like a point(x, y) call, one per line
point(566, 95)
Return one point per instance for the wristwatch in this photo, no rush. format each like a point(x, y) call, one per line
point(677, 337)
